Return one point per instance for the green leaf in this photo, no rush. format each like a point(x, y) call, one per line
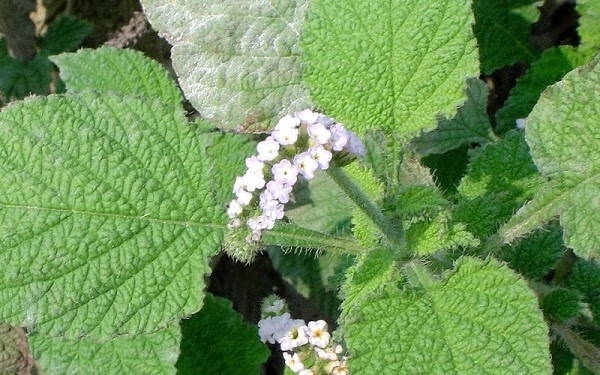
point(470, 125)
point(371, 271)
point(15, 357)
point(564, 138)
point(448, 168)
point(585, 278)
point(500, 178)
point(148, 354)
point(393, 64)
point(217, 341)
point(320, 205)
point(550, 68)
point(561, 304)
point(536, 255)
point(107, 218)
point(440, 233)
point(589, 23)
point(480, 318)
point(65, 35)
point(123, 71)
point(238, 63)
point(19, 79)
point(503, 31)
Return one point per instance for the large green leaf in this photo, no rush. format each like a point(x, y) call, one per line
point(238, 62)
point(217, 341)
point(147, 354)
point(127, 72)
point(481, 318)
point(589, 23)
point(550, 68)
point(470, 125)
point(564, 137)
point(107, 215)
point(503, 29)
point(394, 64)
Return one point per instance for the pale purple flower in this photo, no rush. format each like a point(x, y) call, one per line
point(306, 165)
point(285, 172)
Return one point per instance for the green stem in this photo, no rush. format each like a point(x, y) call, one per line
point(587, 353)
point(357, 195)
point(288, 235)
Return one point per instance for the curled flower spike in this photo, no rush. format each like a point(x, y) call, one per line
point(305, 346)
point(299, 145)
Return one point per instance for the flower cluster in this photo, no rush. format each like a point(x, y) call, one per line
point(298, 146)
point(306, 347)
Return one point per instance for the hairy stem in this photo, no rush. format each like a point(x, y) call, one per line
point(357, 195)
point(288, 235)
point(587, 353)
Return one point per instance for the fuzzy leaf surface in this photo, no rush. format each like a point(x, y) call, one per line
point(503, 31)
point(549, 69)
point(393, 64)
point(217, 341)
point(589, 23)
point(146, 354)
point(238, 62)
point(564, 138)
point(480, 318)
point(470, 125)
point(122, 71)
point(109, 235)
point(500, 178)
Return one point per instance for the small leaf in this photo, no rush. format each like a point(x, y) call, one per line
point(440, 233)
point(500, 178)
point(238, 63)
point(550, 68)
point(470, 125)
point(19, 79)
point(564, 138)
point(536, 255)
point(107, 218)
point(480, 318)
point(393, 64)
point(65, 35)
point(217, 341)
point(503, 31)
point(122, 71)
point(561, 304)
point(147, 354)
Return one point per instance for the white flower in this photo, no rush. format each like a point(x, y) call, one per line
point(339, 137)
point(243, 197)
point(325, 120)
point(320, 155)
point(254, 164)
point(272, 329)
point(277, 306)
point(319, 133)
point(354, 145)
point(287, 122)
point(293, 362)
point(520, 123)
point(285, 136)
point(306, 165)
point(307, 116)
point(285, 172)
point(234, 209)
point(254, 180)
point(306, 372)
point(295, 337)
point(235, 223)
point(267, 149)
point(279, 191)
point(341, 369)
point(239, 184)
point(317, 333)
point(274, 211)
point(328, 353)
